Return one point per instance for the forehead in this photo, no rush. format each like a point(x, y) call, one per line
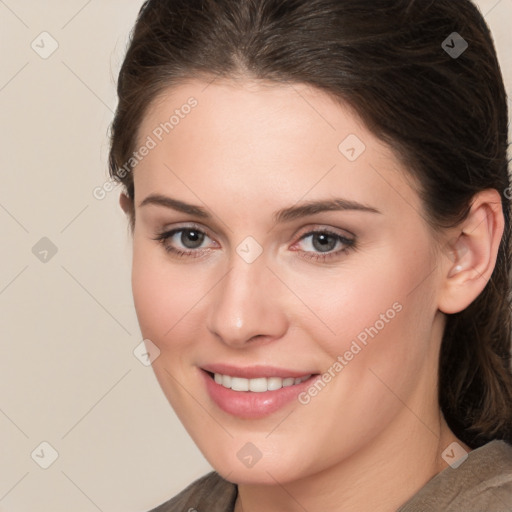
point(265, 141)
point(248, 112)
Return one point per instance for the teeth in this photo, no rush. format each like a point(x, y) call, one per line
point(258, 385)
point(238, 384)
point(288, 382)
point(274, 383)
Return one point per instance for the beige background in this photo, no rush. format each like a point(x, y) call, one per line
point(68, 326)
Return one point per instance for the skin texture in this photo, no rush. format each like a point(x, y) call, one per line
point(374, 435)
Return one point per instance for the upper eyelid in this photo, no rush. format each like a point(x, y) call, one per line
point(306, 232)
point(333, 231)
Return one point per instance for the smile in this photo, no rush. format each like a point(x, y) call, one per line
point(259, 384)
point(254, 396)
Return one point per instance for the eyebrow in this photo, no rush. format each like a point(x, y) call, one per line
point(284, 215)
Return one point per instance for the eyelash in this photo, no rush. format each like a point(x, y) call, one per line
point(349, 244)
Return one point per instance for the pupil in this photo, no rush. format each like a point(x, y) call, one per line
point(325, 243)
point(191, 238)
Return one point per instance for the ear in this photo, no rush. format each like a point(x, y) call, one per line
point(472, 253)
point(126, 203)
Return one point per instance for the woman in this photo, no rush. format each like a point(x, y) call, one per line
point(318, 196)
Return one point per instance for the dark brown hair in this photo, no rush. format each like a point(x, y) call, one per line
point(444, 114)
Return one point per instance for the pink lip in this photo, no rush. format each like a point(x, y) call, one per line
point(251, 405)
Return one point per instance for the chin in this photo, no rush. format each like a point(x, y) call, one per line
point(241, 462)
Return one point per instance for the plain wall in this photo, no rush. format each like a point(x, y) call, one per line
point(67, 321)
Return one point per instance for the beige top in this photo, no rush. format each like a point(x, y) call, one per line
point(482, 483)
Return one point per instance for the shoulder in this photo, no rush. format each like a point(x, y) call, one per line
point(210, 492)
point(482, 482)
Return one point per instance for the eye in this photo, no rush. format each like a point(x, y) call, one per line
point(320, 245)
point(184, 241)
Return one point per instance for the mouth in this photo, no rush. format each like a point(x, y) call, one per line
point(255, 395)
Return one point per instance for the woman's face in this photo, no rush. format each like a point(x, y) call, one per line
point(296, 249)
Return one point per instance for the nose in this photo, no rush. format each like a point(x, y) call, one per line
point(247, 305)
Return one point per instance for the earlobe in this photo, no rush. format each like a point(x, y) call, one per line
point(472, 253)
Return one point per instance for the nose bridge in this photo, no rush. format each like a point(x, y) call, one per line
point(246, 304)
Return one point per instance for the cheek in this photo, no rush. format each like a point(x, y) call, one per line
point(164, 295)
point(380, 314)
point(358, 300)
point(381, 351)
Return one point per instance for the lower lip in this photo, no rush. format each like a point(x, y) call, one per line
point(252, 405)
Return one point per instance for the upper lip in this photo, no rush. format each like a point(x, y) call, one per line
point(253, 372)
